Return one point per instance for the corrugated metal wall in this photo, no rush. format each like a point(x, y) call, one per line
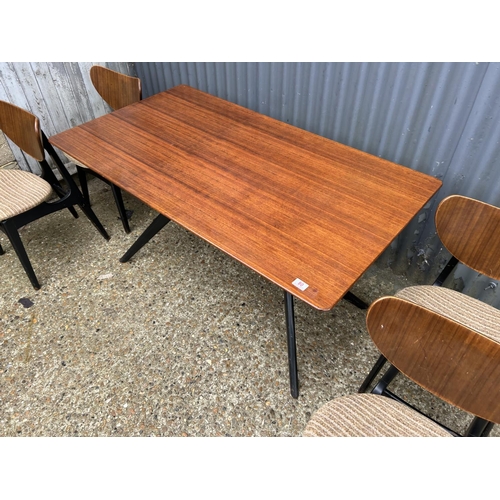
point(439, 118)
point(59, 93)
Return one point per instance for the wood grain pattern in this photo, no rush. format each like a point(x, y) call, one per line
point(287, 203)
point(116, 89)
point(449, 360)
point(470, 230)
point(22, 128)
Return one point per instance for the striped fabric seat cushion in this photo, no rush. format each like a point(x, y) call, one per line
point(70, 158)
point(468, 311)
point(370, 415)
point(20, 191)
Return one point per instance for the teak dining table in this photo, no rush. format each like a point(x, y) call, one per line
point(308, 213)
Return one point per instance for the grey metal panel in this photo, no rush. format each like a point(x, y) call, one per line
point(437, 118)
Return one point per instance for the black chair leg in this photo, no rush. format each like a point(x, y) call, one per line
point(387, 378)
point(355, 300)
point(487, 429)
point(15, 240)
point(373, 373)
point(73, 212)
point(2, 251)
point(82, 176)
point(121, 207)
point(56, 186)
point(479, 428)
point(60, 192)
point(158, 223)
point(95, 221)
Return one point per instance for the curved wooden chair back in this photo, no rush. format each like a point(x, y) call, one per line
point(22, 128)
point(447, 359)
point(117, 89)
point(470, 230)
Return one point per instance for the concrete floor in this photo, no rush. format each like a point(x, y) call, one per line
point(180, 341)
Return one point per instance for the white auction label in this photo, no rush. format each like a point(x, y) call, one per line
point(300, 284)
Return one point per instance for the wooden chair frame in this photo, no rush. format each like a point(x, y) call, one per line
point(117, 90)
point(23, 128)
point(442, 356)
point(457, 215)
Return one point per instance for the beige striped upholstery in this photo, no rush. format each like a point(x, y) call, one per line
point(70, 158)
point(20, 191)
point(468, 311)
point(370, 415)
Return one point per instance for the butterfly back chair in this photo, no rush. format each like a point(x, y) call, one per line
point(26, 197)
point(470, 230)
point(118, 90)
point(445, 357)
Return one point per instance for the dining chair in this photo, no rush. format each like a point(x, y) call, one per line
point(445, 357)
point(470, 230)
point(117, 90)
point(25, 196)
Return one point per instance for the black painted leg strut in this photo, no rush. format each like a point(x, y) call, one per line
point(387, 378)
point(292, 350)
point(92, 217)
point(355, 300)
point(117, 194)
point(49, 176)
point(479, 427)
point(373, 373)
point(14, 238)
point(158, 223)
point(82, 176)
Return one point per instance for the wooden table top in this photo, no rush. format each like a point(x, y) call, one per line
point(287, 203)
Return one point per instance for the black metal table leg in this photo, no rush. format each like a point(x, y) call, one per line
point(355, 300)
point(292, 350)
point(158, 223)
